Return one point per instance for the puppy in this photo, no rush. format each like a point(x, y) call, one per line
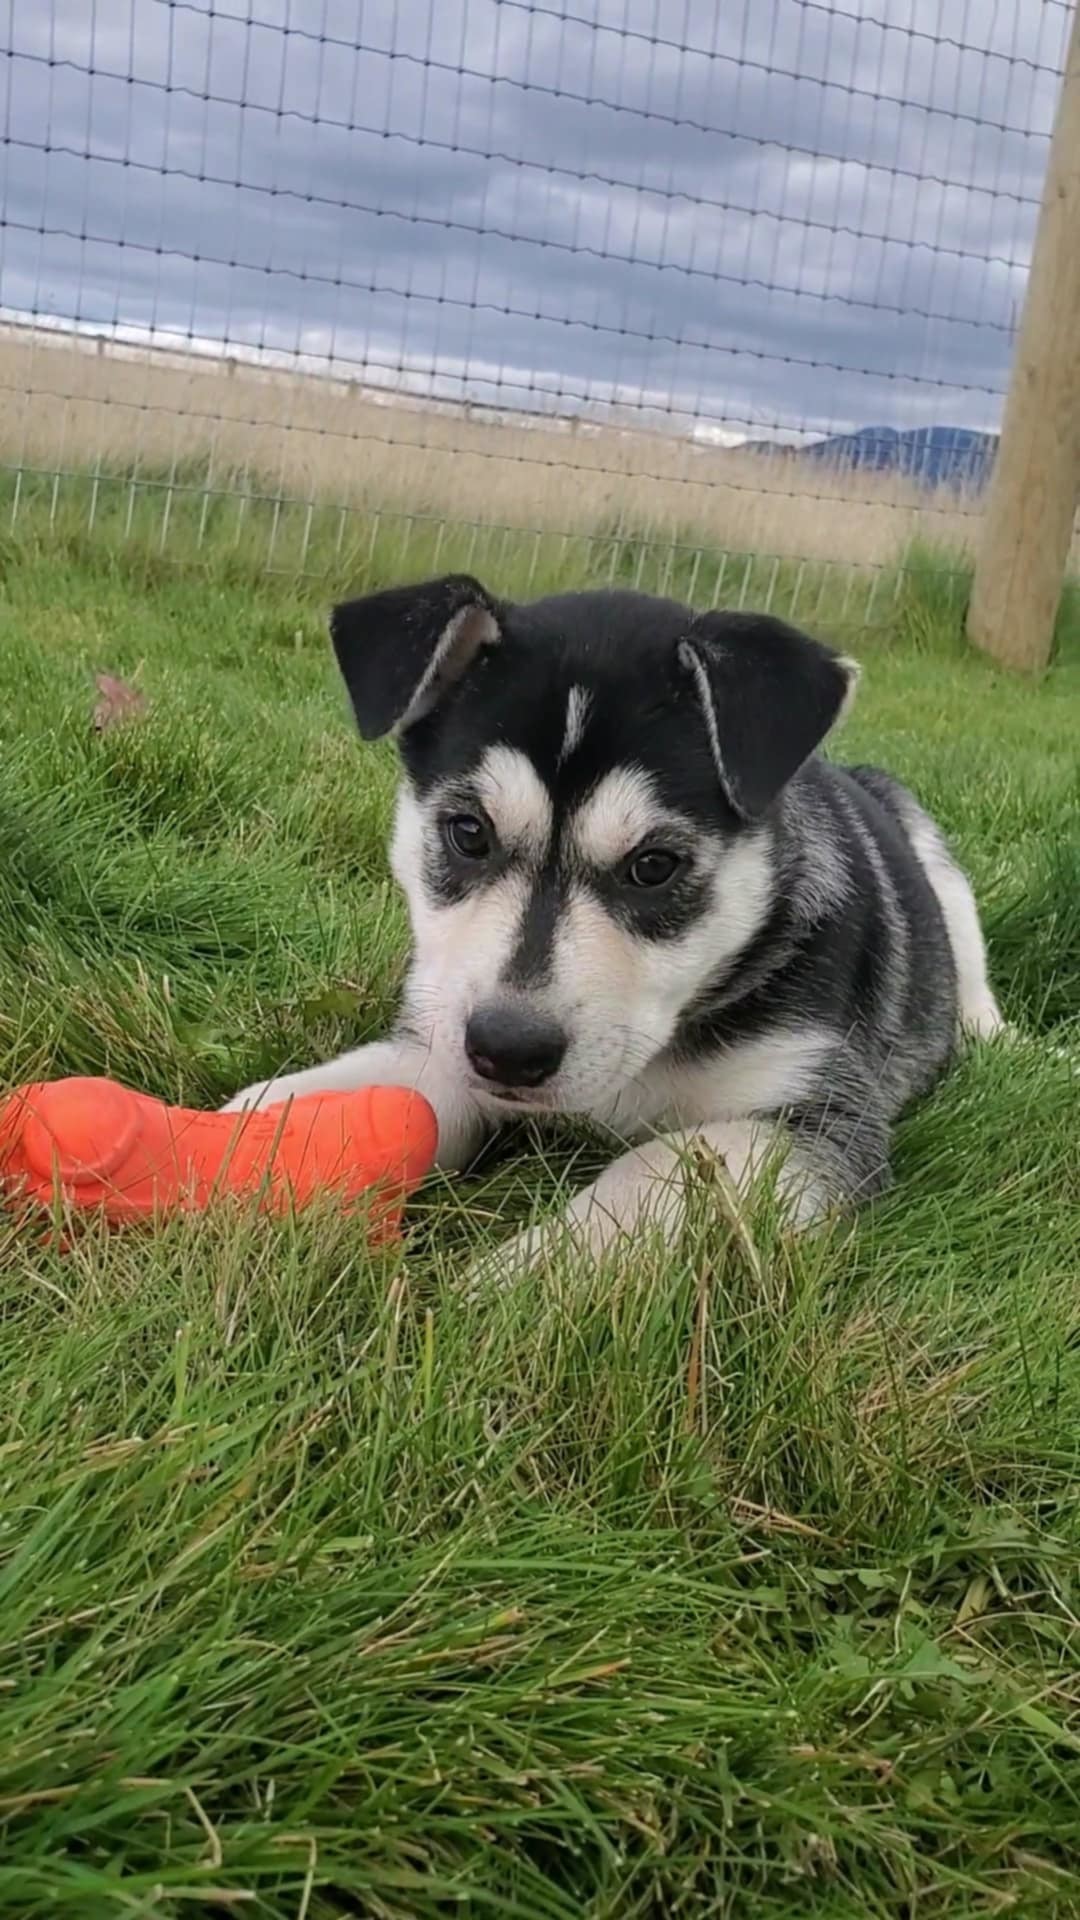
point(638, 895)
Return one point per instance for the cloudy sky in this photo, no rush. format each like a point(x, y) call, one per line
point(741, 213)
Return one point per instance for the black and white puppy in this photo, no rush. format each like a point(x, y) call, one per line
point(638, 895)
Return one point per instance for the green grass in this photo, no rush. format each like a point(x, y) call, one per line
point(691, 1590)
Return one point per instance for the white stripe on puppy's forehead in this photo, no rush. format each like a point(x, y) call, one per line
point(577, 715)
point(516, 799)
point(619, 813)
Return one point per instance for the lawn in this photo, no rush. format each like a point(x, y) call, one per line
point(739, 1583)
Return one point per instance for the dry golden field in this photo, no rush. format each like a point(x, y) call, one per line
point(66, 406)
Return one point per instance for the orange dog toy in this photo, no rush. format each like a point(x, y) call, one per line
point(104, 1148)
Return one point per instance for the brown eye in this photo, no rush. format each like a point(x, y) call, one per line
point(653, 867)
point(468, 836)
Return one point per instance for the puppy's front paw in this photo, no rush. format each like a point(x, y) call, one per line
point(584, 1233)
point(642, 1193)
point(501, 1265)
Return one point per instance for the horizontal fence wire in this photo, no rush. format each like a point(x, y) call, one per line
point(720, 301)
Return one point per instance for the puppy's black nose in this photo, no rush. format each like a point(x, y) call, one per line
point(512, 1046)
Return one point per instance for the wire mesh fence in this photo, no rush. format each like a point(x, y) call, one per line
point(719, 299)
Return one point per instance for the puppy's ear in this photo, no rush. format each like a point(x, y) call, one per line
point(768, 696)
point(400, 651)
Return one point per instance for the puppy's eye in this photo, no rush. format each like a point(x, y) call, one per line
point(653, 867)
point(468, 836)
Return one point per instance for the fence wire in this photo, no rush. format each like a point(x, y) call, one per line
point(720, 299)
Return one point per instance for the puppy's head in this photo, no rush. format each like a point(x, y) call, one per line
point(584, 830)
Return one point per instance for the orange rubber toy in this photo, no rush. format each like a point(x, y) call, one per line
point(100, 1147)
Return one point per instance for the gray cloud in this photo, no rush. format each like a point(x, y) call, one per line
point(795, 218)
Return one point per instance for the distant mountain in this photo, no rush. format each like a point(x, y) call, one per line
point(932, 456)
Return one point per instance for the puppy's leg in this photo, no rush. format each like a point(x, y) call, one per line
point(829, 1158)
point(397, 1062)
point(978, 1015)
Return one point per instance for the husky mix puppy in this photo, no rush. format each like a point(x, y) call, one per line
point(639, 895)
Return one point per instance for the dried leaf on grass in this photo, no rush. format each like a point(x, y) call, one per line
point(116, 702)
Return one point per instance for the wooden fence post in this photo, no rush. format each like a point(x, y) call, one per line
point(1032, 499)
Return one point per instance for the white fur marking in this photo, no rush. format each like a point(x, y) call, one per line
point(774, 1070)
point(979, 1013)
point(692, 659)
point(853, 673)
point(516, 799)
point(577, 715)
point(619, 813)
